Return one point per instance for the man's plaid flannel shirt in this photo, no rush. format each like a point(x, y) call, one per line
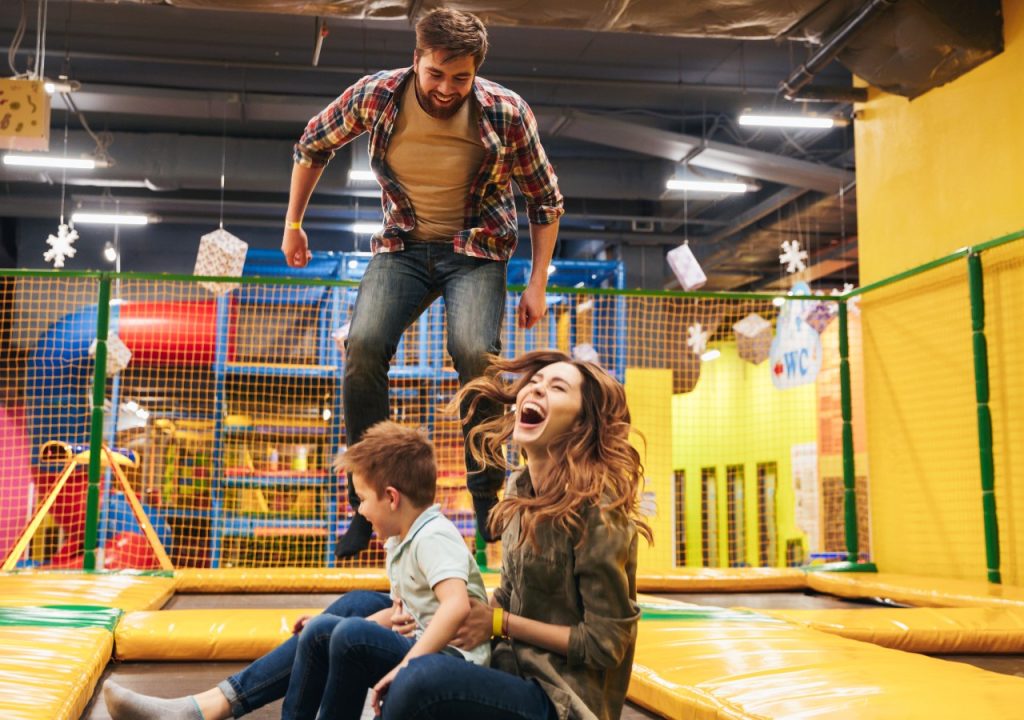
point(512, 151)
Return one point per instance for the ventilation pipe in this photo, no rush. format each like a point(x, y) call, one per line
point(791, 86)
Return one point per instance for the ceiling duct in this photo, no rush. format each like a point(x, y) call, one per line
point(914, 46)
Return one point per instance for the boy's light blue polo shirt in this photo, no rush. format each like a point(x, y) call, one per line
point(433, 550)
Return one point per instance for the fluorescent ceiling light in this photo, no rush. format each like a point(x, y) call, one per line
point(362, 176)
point(786, 121)
point(362, 228)
point(61, 86)
point(711, 355)
point(95, 218)
point(50, 161)
point(712, 186)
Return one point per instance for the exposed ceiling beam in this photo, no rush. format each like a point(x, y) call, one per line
point(355, 71)
point(707, 154)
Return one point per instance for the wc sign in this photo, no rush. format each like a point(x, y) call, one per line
point(795, 353)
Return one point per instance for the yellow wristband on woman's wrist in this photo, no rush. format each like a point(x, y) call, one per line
point(296, 225)
point(497, 623)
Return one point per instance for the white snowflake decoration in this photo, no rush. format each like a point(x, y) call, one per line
point(792, 256)
point(697, 339)
point(853, 303)
point(62, 245)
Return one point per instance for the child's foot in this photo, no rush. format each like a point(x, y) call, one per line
point(482, 506)
point(355, 539)
point(123, 704)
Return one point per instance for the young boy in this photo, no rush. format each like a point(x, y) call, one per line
point(431, 572)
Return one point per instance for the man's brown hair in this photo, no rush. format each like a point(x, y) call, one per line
point(459, 33)
point(394, 455)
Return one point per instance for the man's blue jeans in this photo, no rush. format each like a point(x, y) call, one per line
point(396, 288)
point(439, 687)
point(266, 679)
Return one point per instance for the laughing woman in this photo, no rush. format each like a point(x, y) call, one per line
point(565, 616)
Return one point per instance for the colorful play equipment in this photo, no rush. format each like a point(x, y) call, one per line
point(74, 456)
point(230, 479)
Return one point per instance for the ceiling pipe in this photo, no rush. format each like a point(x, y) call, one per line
point(831, 94)
point(791, 86)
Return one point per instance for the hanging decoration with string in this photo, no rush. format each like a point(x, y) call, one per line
point(221, 254)
point(793, 257)
point(62, 245)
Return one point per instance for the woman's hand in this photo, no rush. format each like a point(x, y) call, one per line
point(401, 621)
point(476, 628)
point(300, 623)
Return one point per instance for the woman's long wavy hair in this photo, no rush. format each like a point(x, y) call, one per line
point(594, 462)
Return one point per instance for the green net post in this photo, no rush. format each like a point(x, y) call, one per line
point(981, 392)
point(99, 394)
point(849, 469)
point(481, 551)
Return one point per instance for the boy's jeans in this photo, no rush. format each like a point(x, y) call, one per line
point(266, 679)
point(337, 661)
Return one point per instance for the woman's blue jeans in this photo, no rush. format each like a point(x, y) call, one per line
point(266, 679)
point(396, 288)
point(440, 687)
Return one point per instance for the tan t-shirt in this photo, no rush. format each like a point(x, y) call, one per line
point(435, 162)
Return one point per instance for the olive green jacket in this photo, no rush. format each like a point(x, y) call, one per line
point(592, 590)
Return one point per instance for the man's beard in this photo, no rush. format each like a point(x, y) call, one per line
point(435, 110)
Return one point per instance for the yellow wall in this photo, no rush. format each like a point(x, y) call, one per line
point(934, 174)
point(649, 393)
point(735, 416)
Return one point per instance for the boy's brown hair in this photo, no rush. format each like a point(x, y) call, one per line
point(394, 455)
point(459, 33)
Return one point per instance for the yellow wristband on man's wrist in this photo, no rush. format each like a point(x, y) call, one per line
point(289, 225)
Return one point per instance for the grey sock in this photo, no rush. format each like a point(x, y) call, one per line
point(123, 704)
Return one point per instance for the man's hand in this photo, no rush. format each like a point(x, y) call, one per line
point(295, 247)
point(381, 688)
point(533, 305)
point(476, 628)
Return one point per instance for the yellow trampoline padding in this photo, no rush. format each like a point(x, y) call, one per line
point(920, 630)
point(722, 580)
point(291, 580)
point(917, 590)
point(760, 668)
point(126, 591)
point(272, 580)
point(204, 634)
point(48, 672)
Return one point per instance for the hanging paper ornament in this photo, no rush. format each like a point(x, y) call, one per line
point(820, 315)
point(118, 354)
point(753, 338)
point(853, 304)
point(792, 256)
point(586, 352)
point(685, 267)
point(697, 339)
point(220, 254)
point(62, 245)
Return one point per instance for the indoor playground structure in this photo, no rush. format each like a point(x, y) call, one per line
point(171, 438)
